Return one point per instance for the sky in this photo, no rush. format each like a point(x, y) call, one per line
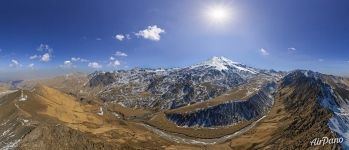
point(44, 38)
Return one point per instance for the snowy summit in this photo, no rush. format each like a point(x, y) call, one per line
point(222, 63)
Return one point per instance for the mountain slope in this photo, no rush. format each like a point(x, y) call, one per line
point(50, 119)
point(228, 113)
point(174, 88)
point(297, 117)
point(216, 104)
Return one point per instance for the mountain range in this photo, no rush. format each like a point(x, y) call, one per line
point(216, 104)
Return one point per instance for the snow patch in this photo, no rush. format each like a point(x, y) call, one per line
point(11, 145)
point(340, 122)
point(122, 104)
point(100, 111)
point(116, 115)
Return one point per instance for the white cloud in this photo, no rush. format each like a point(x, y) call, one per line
point(34, 57)
point(114, 63)
point(119, 37)
point(94, 65)
point(67, 64)
point(47, 53)
point(98, 39)
point(78, 59)
point(31, 66)
point(119, 53)
point(264, 52)
point(151, 33)
point(75, 59)
point(14, 63)
point(44, 48)
point(111, 58)
point(292, 49)
point(46, 57)
point(83, 60)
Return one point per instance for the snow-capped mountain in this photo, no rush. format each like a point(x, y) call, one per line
point(207, 101)
point(222, 63)
point(175, 87)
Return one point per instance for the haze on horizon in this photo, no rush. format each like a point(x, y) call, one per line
point(48, 38)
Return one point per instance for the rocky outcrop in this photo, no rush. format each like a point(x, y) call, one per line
point(102, 79)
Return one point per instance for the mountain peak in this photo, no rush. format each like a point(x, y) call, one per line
point(222, 63)
point(221, 60)
point(219, 63)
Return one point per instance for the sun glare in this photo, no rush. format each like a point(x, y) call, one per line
point(218, 14)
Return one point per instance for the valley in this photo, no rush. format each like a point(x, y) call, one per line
point(217, 104)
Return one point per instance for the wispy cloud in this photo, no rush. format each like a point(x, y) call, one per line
point(291, 49)
point(151, 33)
point(264, 52)
point(128, 36)
point(114, 63)
point(94, 65)
point(99, 39)
point(67, 64)
point(34, 57)
point(321, 60)
point(120, 53)
point(15, 63)
point(31, 66)
point(119, 37)
point(78, 59)
point(44, 48)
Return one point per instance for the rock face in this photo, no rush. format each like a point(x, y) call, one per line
point(229, 113)
point(335, 97)
point(102, 79)
point(173, 88)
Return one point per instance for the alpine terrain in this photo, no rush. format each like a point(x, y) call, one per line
point(215, 104)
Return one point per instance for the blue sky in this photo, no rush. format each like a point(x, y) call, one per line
point(49, 37)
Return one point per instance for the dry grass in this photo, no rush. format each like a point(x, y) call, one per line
point(265, 129)
point(241, 92)
point(127, 112)
point(235, 94)
point(67, 109)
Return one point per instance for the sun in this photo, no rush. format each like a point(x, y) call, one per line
point(218, 14)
